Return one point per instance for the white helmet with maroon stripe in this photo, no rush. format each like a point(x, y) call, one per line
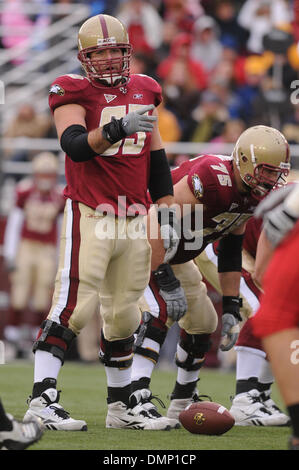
point(258, 151)
point(98, 33)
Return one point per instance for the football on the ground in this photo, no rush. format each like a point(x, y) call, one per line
point(206, 417)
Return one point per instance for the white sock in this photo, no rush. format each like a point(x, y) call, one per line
point(142, 366)
point(184, 376)
point(45, 365)
point(249, 363)
point(117, 377)
point(266, 375)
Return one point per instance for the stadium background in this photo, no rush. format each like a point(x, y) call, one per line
point(223, 66)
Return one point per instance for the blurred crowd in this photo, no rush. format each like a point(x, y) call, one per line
point(223, 64)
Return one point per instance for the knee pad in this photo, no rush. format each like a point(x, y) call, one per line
point(153, 329)
point(54, 338)
point(116, 349)
point(196, 346)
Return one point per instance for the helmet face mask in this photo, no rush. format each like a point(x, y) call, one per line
point(102, 33)
point(113, 71)
point(261, 155)
point(260, 183)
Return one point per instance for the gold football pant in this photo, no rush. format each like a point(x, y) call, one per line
point(34, 275)
point(201, 316)
point(101, 260)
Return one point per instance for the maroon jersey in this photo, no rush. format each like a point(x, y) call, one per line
point(123, 169)
point(211, 180)
point(252, 235)
point(41, 211)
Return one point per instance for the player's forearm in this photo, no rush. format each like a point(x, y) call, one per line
point(97, 141)
point(263, 255)
point(80, 145)
point(230, 283)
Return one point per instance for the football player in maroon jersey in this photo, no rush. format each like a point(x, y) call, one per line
point(107, 125)
point(30, 249)
point(227, 190)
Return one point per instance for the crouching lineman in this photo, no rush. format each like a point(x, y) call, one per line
point(227, 189)
point(107, 126)
point(252, 404)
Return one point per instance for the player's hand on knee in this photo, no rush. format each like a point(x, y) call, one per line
point(229, 332)
point(176, 303)
point(230, 321)
point(171, 291)
point(169, 231)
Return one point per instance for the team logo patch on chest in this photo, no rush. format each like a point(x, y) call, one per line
point(109, 98)
point(197, 186)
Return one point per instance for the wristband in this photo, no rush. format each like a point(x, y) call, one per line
point(165, 278)
point(114, 131)
point(231, 304)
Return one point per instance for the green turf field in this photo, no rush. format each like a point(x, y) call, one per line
point(83, 394)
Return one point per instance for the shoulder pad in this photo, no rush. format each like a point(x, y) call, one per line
point(148, 83)
point(26, 184)
point(68, 83)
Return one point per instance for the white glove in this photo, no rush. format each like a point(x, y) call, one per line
point(279, 219)
point(230, 331)
point(169, 232)
point(176, 303)
point(138, 121)
point(171, 291)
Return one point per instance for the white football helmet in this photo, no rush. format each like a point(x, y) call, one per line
point(45, 167)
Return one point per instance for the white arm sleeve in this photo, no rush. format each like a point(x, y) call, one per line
point(292, 201)
point(12, 233)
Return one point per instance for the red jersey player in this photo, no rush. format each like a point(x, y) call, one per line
point(227, 189)
point(106, 124)
point(277, 320)
point(30, 247)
